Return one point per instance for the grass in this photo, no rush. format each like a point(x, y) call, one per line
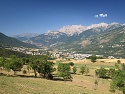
point(81, 84)
point(18, 85)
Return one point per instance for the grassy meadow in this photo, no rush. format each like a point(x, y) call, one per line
point(80, 84)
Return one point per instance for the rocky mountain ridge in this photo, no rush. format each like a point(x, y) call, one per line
point(72, 33)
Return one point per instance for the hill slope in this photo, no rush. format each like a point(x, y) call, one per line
point(105, 43)
point(72, 33)
point(18, 85)
point(9, 41)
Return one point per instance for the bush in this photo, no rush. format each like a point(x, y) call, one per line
point(102, 73)
point(74, 70)
point(71, 63)
point(24, 72)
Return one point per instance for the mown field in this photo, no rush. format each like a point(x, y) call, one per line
point(81, 84)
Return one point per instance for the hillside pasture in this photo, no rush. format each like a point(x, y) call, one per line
point(80, 84)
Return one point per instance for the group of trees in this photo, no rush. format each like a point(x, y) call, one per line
point(13, 63)
point(7, 53)
point(117, 75)
point(118, 78)
point(64, 70)
point(84, 69)
point(39, 65)
point(42, 66)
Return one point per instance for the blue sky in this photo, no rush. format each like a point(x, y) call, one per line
point(39, 16)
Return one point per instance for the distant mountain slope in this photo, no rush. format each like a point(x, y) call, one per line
point(107, 43)
point(25, 36)
point(72, 33)
point(7, 53)
point(9, 41)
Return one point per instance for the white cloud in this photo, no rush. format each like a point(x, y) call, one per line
point(101, 15)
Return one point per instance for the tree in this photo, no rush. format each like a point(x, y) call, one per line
point(2, 63)
point(118, 61)
point(34, 65)
point(71, 63)
point(15, 64)
point(93, 58)
point(41, 65)
point(74, 70)
point(24, 72)
point(64, 71)
point(28, 68)
point(102, 72)
point(45, 68)
point(82, 70)
point(86, 70)
point(118, 79)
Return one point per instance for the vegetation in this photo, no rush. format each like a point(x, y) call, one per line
point(102, 72)
point(106, 43)
point(86, 70)
point(118, 79)
point(74, 70)
point(82, 70)
point(9, 41)
point(71, 63)
point(43, 67)
point(96, 84)
point(64, 71)
point(7, 53)
point(93, 58)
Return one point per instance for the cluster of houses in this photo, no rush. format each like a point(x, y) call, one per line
point(71, 55)
point(55, 54)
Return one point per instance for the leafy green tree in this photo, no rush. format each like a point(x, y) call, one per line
point(2, 61)
point(45, 69)
point(42, 66)
point(82, 70)
point(102, 72)
point(34, 65)
point(118, 61)
point(25, 60)
point(64, 71)
point(71, 63)
point(118, 80)
point(93, 58)
point(74, 70)
point(15, 64)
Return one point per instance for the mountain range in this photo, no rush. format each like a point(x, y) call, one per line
point(71, 34)
point(102, 38)
point(25, 36)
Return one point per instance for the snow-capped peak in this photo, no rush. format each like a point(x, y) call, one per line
point(97, 25)
point(77, 29)
point(73, 29)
